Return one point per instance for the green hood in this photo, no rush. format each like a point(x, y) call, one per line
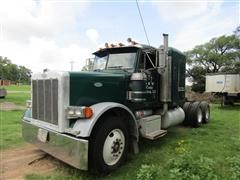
point(88, 88)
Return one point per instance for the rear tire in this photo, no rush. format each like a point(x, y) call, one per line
point(195, 114)
point(108, 145)
point(186, 107)
point(205, 112)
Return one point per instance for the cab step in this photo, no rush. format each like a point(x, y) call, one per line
point(156, 134)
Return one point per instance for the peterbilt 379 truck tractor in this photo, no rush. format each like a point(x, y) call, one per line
point(92, 120)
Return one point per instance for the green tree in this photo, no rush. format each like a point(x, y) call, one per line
point(3, 69)
point(13, 72)
point(218, 55)
point(196, 73)
point(24, 74)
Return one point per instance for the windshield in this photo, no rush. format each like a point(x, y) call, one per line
point(123, 61)
point(100, 62)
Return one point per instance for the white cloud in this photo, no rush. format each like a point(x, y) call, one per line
point(31, 31)
point(93, 35)
point(42, 53)
point(202, 31)
point(179, 10)
point(23, 19)
point(197, 22)
point(34, 31)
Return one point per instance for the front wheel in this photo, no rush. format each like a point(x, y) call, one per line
point(108, 145)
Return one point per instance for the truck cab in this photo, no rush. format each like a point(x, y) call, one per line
point(91, 120)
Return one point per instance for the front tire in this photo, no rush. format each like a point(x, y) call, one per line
point(108, 145)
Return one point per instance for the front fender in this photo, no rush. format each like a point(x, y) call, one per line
point(85, 126)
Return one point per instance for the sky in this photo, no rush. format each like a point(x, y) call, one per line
point(51, 33)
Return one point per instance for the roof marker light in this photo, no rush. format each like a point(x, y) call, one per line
point(112, 45)
point(121, 44)
point(106, 45)
point(131, 41)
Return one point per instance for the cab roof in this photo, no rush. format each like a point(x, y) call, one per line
point(130, 48)
point(123, 49)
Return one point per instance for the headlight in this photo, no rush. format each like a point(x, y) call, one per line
point(78, 112)
point(71, 112)
point(74, 112)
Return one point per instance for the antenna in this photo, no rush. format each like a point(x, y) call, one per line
point(144, 28)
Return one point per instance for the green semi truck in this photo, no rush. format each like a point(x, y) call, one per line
point(92, 120)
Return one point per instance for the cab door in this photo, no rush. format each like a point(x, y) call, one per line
point(147, 64)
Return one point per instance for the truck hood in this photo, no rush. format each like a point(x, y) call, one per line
point(88, 88)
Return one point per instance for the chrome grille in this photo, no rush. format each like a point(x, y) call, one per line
point(45, 100)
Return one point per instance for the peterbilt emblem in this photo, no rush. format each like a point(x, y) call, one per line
point(98, 84)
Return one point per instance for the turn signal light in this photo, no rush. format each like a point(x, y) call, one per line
point(88, 112)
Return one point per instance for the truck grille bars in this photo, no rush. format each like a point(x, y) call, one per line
point(45, 100)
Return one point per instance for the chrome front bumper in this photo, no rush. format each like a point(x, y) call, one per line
point(66, 148)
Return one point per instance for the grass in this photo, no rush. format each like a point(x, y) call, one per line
point(10, 121)
point(209, 152)
point(18, 88)
point(17, 98)
point(17, 94)
point(10, 129)
point(204, 153)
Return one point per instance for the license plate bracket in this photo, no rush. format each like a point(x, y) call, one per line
point(42, 135)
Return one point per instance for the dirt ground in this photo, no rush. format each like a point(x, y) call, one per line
point(16, 163)
point(193, 96)
point(8, 106)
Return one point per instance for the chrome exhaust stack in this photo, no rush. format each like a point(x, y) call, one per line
point(164, 70)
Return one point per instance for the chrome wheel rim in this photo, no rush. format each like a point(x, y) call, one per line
point(113, 147)
point(199, 115)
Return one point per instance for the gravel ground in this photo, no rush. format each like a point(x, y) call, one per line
point(8, 106)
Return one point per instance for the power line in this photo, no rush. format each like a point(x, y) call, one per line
point(144, 28)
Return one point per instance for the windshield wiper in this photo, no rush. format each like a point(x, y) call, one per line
point(97, 70)
point(115, 67)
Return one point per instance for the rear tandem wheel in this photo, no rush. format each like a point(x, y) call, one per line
point(196, 113)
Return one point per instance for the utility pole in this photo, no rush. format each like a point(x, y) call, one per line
point(71, 62)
